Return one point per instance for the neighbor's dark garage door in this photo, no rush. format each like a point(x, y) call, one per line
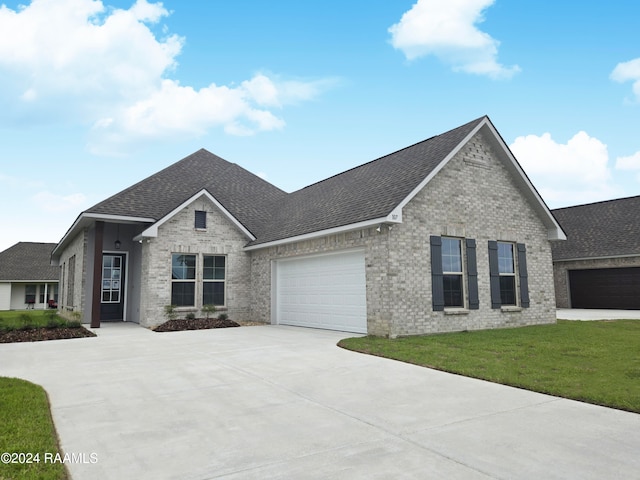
point(617, 288)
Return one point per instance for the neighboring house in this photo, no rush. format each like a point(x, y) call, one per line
point(27, 278)
point(445, 235)
point(599, 264)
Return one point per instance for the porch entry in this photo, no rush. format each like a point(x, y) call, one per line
point(112, 288)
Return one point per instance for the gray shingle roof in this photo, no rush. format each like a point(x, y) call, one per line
point(602, 229)
point(28, 261)
point(363, 193)
point(246, 196)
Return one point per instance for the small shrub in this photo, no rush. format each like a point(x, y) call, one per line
point(223, 317)
point(74, 324)
point(208, 310)
point(50, 314)
point(170, 312)
point(76, 316)
point(190, 316)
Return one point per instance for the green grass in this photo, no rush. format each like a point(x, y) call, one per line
point(594, 362)
point(26, 319)
point(26, 427)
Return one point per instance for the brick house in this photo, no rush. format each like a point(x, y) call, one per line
point(448, 234)
point(599, 264)
point(27, 278)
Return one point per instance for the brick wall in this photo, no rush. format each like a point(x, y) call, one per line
point(561, 275)
point(178, 235)
point(473, 197)
point(77, 248)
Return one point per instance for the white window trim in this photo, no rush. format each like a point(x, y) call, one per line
point(462, 273)
point(514, 260)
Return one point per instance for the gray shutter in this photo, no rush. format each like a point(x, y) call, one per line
point(437, 286)
point(472, 275)
point(522, 272)
point(494, 275)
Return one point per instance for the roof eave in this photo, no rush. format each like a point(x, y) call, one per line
point(390, 219)
point(86, 219)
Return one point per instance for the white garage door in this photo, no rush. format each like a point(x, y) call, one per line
point(323, 291)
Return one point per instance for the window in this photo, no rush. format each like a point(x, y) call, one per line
point(213, 276)
point(111, 278)
point(183, 280)
point(30, 294)
point(201, 220)
point(507, 273)
point(71, 281)
point(452, 272)
point(449, 267)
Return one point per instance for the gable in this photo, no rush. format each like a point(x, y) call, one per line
point(152, 231)
point(242, 194)
point(377, 192)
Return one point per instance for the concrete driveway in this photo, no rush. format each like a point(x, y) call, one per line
point(284, 402)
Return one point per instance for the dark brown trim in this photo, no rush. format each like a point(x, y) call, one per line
point(97, 275)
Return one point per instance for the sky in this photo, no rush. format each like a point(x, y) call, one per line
point(96, 96)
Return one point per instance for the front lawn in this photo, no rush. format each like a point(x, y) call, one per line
point(594, 362)
point(28, 440)
point(36, 325)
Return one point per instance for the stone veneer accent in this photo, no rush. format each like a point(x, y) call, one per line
point(178, 235)
point(473, 196)
point(561, 273)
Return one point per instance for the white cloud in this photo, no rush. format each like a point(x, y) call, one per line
point(51, 202)
point(628, 71)
point(566, 174)
point(107, 68)
point(631, 162)
point(447, 29)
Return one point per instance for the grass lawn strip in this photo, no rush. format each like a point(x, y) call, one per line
point(37, 325)
point(595, 362)
point(26, 427)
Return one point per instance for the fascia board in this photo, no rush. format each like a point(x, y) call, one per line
point(152, 231)
point(87, 217)
point(330, 231)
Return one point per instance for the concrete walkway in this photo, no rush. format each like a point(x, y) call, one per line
point(595, 314)
point(276, 402)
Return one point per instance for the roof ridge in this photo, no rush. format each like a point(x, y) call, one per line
point(596, 203)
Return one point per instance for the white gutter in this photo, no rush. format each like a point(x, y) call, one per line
point(393, 218)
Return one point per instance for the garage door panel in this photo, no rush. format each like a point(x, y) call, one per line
point(610, 288)
point(326, 291)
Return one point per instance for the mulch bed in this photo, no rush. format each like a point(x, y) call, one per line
point(194, 324)
point(43, 333)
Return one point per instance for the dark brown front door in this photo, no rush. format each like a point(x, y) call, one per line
point(616, 288)
point(112, 288)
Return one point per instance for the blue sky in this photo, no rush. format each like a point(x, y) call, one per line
point(96, 96)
